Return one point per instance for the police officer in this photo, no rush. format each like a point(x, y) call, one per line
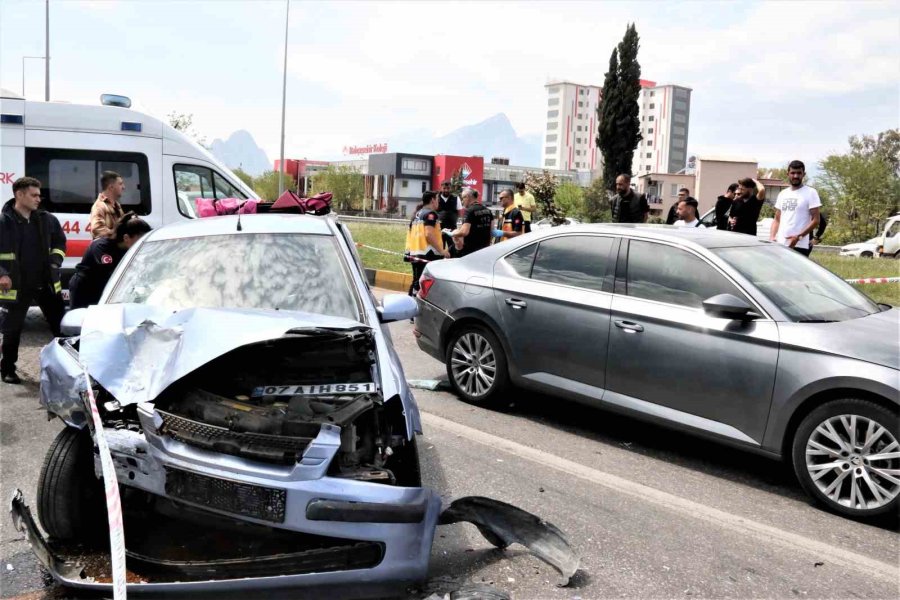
point(449, 207)
point(423, 240)
point(32, 248)
point(513, 222)
point(475, 232)
point(100, 260)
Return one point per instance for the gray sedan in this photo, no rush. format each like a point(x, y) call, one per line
point(714, 333)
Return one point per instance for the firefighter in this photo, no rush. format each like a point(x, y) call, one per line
point(424, 242)
point(513, 223)
point(32, 248)
point(100, 260)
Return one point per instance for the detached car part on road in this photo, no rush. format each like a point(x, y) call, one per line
point(259, 421)
point(710, 332)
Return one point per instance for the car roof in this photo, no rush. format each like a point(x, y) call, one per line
point(259, 223)
point(700, 236)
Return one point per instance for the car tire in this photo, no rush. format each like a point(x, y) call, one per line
point(70, 498)
point(835, 465)
point(866, 254)
point(480, 351)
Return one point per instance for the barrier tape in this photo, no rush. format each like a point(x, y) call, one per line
point(113, 501)
point(394, 252)
point(874, 280)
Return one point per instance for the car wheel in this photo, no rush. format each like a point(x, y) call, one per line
point(71, 504)
point(476, 365)
point(866, 254)
point(846, 455)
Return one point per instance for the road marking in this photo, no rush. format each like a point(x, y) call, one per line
point(720, 518)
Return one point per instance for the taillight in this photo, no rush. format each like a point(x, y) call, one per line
point(425, 283)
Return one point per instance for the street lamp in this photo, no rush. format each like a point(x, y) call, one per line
point(284, 97)
point(23, 70)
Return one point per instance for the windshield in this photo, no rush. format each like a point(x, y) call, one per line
point(264, 270)
point(803, 290)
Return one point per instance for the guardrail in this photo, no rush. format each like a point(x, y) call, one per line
point(373, 220)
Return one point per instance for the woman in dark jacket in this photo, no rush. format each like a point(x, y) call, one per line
point(101, 259)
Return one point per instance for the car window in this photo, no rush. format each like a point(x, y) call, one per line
point(225, 189)
point(709, 219)
point(193, 182)
point(521, 260)
point(576, 260)
point(803, 290)
point(263, 270)
point(672, 275)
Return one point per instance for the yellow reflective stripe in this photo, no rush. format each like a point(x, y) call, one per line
point(10, 295)
point(57, 287)
point(58, 251)
point(7, 256)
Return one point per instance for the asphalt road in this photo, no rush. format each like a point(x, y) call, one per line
point(653, 513)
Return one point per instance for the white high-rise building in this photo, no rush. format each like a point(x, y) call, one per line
point(571, 130)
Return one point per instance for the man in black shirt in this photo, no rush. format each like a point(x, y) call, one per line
point(628, 207)
point(746, 206)
point(723, 207)
point(32, 248)
point(449, 207)
point(475, 232)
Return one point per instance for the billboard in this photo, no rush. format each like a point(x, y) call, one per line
point(469, 168)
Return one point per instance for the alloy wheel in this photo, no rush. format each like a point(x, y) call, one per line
point(473, 364)
point(854, 461)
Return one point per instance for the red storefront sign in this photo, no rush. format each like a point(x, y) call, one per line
point(470, 168)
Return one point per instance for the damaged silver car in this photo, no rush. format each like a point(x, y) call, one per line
point(260, 425)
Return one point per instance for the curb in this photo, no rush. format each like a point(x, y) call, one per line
point(389, 280)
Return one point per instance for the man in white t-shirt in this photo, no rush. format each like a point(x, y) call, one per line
point(796, 211)
point(687, 214)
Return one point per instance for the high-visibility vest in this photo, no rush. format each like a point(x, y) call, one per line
point(416, 242)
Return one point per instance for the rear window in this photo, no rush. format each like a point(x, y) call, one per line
point(70, 179)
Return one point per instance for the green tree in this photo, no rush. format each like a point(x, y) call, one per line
point(884, 147)
point(619, 126)
point(266, 185)
point(772, 173)
point(347, 185)
point(456, 182)
point(244, 176)
point(184, 122)
point(543, 187)
point(569, 198)
point(596, 203)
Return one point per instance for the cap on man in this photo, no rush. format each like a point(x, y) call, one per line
point(796, 211)
point(627, 206)
point(106, 211)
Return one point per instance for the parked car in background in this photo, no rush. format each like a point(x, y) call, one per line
point(867, 249)
point(717, 334)
point(545, 223)
point(763, 226)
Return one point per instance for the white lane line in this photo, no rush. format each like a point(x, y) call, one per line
point(742, 525)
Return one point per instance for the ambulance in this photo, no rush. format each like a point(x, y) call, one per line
point(68, 146)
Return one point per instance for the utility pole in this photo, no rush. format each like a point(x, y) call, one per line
point(287, 19)
point(47, 52)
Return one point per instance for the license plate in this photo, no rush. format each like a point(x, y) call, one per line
point(325, 389)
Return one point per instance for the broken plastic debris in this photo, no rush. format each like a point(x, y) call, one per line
point(428, 384)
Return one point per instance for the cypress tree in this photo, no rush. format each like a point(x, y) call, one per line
point(606, 118)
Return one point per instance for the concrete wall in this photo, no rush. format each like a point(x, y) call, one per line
point(714, 176)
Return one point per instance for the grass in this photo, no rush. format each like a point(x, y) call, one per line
point(850, 267)
point(393, 237)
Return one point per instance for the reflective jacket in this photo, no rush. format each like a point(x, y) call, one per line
point(416, 242)
point(52, 249)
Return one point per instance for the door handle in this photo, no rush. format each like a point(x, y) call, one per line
point(629, 326)
point(516, 303)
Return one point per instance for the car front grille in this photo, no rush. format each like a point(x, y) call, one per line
point(258, 446)
point(255, 501)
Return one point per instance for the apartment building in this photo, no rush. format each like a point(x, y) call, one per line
point(665, 112)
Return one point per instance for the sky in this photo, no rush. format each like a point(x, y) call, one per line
point(771, 81)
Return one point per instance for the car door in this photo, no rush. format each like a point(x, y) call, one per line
point(669, 359)
point(553, 299)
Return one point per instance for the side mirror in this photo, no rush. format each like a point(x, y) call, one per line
point(397, 307)
point(72, 321)
point(728, 306)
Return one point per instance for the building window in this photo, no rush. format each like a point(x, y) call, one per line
point(579, 128)
point(650, 118)
point(674, 191)
point(678, 131)
point(649, 155)
point(550, 150)
point(552, 113)
point(681, 93)
point(553, 102)
point(652, 93)
point(679, 118)
point(649, 142)
point(648, 168)
point(680, 105)
point(580, 103)
point(554, 90)
point(578, 153)
point(414, 165)
point(581, 92)
point(404, 184)
point(552, 125)
point(550, 162)
point(550, 138)
point(652, 106)
point(424, 185)
point(649, 130)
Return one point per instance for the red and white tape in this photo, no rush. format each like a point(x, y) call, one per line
point(874, 280)
point(113, 501)
point(395, 253)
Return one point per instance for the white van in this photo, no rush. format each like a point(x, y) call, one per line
point(68, 146)
point(889, 241)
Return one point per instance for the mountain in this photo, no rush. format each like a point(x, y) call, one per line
point(493, 137)
point(240, 151)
